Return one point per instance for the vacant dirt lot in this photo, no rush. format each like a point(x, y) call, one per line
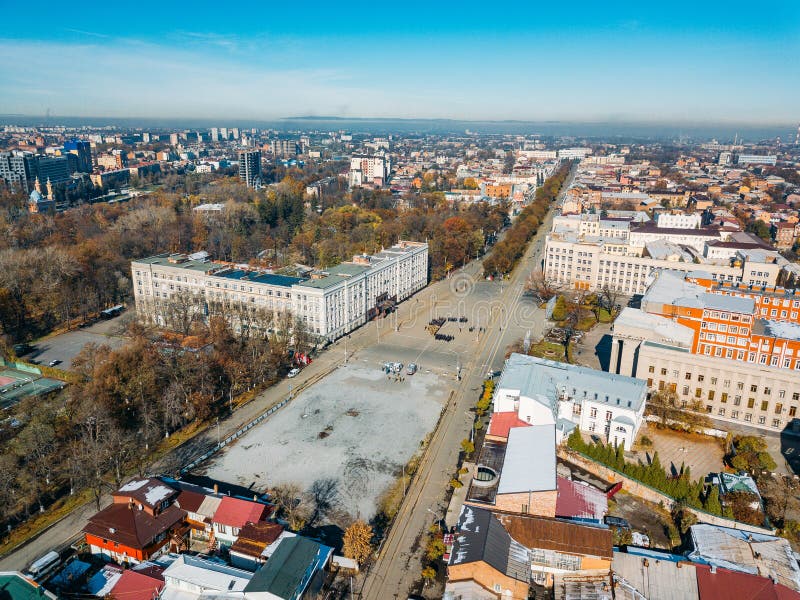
point(355, 426)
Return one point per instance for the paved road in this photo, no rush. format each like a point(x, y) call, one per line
point(397, 567)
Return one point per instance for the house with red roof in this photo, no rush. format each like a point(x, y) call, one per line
point(144, 584)
point(142, 522)
point(501, 423)
point(233, 514)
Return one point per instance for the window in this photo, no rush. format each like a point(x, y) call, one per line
point(792, 411)
point(710, 394)
point(748, 417)
point(700, 378)
point(698, 393)
point(778, 408)
point(762, 420)
point(754, 388)
point(776, 422)
point(608, 415)
point(688, 376)
point(764, 404)
point(713, 381)
point(651, 369)
point(663, 371)
point(751, 402)
point(686, 390)
point(737, 400)
point(735, 414)
point(721, 412)
point(593, 413)
point(724, 397)
point(709, 408)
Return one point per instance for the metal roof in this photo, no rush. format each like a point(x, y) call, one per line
point(527, 446)
point(543, 380)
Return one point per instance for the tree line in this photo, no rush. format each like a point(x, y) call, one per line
point(509, 250)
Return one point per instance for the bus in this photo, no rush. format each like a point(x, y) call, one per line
point(42, 567)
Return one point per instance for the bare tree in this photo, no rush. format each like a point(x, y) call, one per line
point(541, 287)
point(292, 504)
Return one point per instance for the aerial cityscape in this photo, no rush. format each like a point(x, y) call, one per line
point(418, 302)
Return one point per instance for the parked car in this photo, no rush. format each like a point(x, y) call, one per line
point(293, 373)
point(616, 522)
point(412, 368)
point(55, 362)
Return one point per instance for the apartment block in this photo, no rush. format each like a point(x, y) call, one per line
point(171, 290)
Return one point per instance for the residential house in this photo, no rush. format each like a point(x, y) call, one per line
point(581, 502)
point(486, 560)
point(641, 573)
point(248, 551)
point(192, 577)
point(145, 583)
point(142, 522)
point(232, 515)
point(16, 586)
point(294, 571)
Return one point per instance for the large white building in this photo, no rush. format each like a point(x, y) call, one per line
point(543, 392)
point(369, 169)
point(173, 289)
point(590, 253)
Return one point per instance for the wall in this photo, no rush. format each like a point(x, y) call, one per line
point(538, 503)
point(488, 577)
point(645, 492)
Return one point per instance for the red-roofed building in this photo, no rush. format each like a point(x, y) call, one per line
point(501, 423)
point(233, 514)
point(722, 584)
point(580, 501)
point(139, 585)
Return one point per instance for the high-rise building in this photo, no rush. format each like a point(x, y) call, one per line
point(214, 134)
point(250, 168)
point(223, 133)
point(18, 169)
point(54, 169)
point(284, 148)
point(235, 132)
point(173, 139)
point(83, 151)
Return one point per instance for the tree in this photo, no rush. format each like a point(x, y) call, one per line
point(712, 503)
point(428, 574)
point(683, 518)
point(750, 454)
point(292, 504)
point(467, 446)
point(541, 287)
point(435, 549)
point(665, 405)
point(358, 541)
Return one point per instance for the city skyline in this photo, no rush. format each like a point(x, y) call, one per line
point(677, 64)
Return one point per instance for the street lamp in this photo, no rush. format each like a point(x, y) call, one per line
point(438, 520)
point(218, 438)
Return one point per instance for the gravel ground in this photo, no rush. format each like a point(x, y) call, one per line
point(355, 426)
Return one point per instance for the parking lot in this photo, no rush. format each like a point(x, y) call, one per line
point(64, 347)
point(357, 426)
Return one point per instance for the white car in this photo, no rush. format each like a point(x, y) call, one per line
point(293, 373)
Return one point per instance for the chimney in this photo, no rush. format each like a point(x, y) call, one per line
point(216, 488)
point(713, 569)
point(255, 498)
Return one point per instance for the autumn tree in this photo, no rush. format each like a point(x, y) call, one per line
point(357, 543)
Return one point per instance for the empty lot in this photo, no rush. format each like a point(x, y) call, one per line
point(355, 426)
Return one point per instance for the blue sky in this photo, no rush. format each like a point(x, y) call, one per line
point(676, 61)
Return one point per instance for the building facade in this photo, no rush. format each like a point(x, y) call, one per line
point(250, 168)
point(173, 290)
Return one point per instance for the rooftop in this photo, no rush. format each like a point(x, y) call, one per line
point(777, 329)
point(753, 553)
point(15, 586)
point(542, 379)
point(656, 578)
point(286, 573)
point(526, 446)
point(559, 536)
point(259, 277)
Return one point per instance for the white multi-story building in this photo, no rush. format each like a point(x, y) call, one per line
point(171, 290)
point(679, 221)
point(756, 159)
point(589, 253)
point(544, 392)
point(571, 153)
point(369, 169)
